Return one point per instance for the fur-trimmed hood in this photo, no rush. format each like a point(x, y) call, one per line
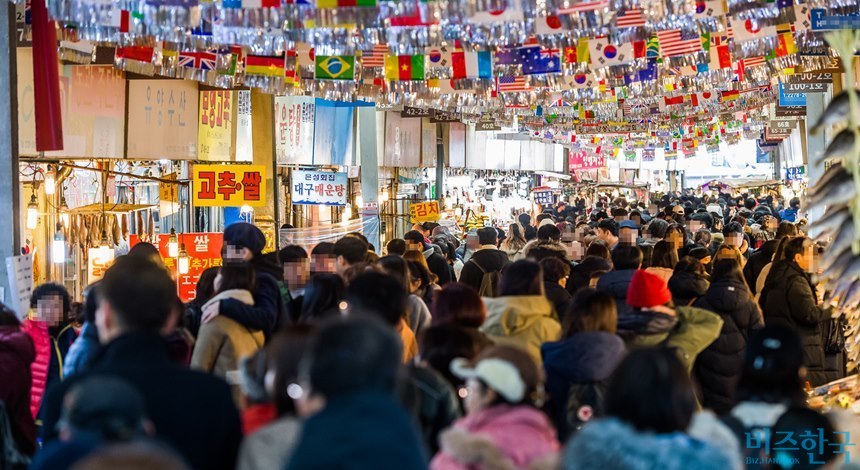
point(610, 444)
point(540, 249)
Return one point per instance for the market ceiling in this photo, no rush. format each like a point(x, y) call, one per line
point(557, 67)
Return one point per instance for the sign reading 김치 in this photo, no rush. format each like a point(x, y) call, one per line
point(318, 188)
point(229, 185)
point(424, 212)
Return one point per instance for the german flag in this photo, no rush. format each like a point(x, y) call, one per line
point(267, 66)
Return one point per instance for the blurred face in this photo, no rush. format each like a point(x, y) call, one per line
point(637, 219)
point(471, 242)
point(49, 309)
point(605, 235)
point(323, 264)
point(695, 226)
point(236, 254)
point(805, 259)
point(410, 245)
point(735, 240)
point(627, 236)
point(477, 397)
point(705, 261)
point(296, 273)
point(770, 224)
point(674, 238)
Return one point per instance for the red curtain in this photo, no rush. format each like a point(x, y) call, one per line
point(46, 76)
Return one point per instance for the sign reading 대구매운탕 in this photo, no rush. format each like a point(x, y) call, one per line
point(318, 188)
point(229, 185)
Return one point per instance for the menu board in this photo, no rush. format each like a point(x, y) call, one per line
point(162, 119)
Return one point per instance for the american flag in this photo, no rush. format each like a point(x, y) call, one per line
point(583, 7)
point(512, 84)
point(197, 60)
point(631, 18)
point(673, 43)
point(375, 57)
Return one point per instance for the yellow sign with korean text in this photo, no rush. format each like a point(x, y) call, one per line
point(229, 185)
point(215, 125)
point(424, 212)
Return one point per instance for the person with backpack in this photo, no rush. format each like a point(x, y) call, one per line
point(578, 366)
point(483, 270)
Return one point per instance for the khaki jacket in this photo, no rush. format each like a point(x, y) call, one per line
point(524, 321)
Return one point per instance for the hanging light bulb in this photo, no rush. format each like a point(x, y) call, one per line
point(50, 182)
point(32, 213)
point(64, 212)
point(172, 244)
point(346, 214)
point(182, 260)
point(383, 196)
point(58, 246)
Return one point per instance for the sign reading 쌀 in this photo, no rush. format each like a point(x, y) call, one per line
point(424, 212)
point(204, 252)
point(318, 188)
point(229, 185)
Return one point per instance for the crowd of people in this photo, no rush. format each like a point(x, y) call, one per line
point(682, 335)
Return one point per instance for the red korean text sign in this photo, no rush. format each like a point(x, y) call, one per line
point(586, 161)
point(424, 212)
point(229, 185)
point(204, 251)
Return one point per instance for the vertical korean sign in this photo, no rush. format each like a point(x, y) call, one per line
point(244, 137)
point(162, 119)
point(204, 252)
point(215, 125)
point(318, 188)
point(294, 130)
point(229, 185)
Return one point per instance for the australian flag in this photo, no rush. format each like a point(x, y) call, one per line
point(535, 59)
point(647, 74)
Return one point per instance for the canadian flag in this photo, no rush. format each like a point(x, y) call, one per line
point(749, 30)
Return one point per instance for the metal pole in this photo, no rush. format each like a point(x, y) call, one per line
point(10, 234)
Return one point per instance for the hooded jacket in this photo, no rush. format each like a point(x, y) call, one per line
point(82, 351)
point(789, 299)
point(525, 321)
point(540, 249)
point(490, 259)
point(580, 275)
point(587, 357)
point(719, 366)
point(616, 283)
point(16, 355)
point(611, 444)
point(500, 437)
point(438, 265)
point(264, 313)
point(690, 330)
point(686, 286)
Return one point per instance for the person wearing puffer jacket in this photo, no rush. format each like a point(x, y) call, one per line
point(85, 348)
point(719, 366)
point(649, 406)
point(548, 244)
point(626, 261)
point(521, 315)
point(16, 355)
point(502, 430)
point(49, 310)
point(222, 343)
point(688, 281)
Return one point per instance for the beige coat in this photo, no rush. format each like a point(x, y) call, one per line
point(524, 321)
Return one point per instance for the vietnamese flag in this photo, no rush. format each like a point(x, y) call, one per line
point(404, 67)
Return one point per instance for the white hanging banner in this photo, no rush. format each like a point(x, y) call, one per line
point(20, 271)
point(294, 130)
point(244, 139)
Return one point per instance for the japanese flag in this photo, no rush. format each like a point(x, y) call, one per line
point(549, 25)
point(511, 12)
point(749, 30)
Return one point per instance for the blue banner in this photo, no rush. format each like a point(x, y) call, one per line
point(821, 22)
point(333, 133)
point(790, 99)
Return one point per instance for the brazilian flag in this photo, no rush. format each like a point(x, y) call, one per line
point(334, 67)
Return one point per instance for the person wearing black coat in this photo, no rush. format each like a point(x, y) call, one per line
point(487, 258)
point(16, 355)
point(719, 366)
point(764, 255)
point(627, 260)
point(192, 411)
point(789, 298)
point(436, 262)
point(555, 274)
point(580, 275)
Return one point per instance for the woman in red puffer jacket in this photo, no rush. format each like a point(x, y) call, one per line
point(16, 355)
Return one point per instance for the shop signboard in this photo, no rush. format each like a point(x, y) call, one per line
point(20, 272)
point(333, 136)
point(410, 112)
point(790, 99)
point(318, 188)
point(796, 173)
point(215, 125)
point(428, 143)
point(781, 128)
point(543, 197)
point(162, 119)
point(427, 211)
point(294, 129)
point(805, 88)
point(402, 141)
point(586, 161)
point(783, 111)
point(244, 139)
point(821, 21)
point(444, 116)
point(204, 252)
point(229, 185)
point(98, 261)
point(487, 123)
point(168, 192)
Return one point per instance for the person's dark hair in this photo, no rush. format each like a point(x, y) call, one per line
point(801, 421)
point(429, 226)
point(750, 203)
point(146, 250)
point(397, 267)
point(704, 218)
point(664, 255)
point(323, 248)
point(733, 227)
point(292, 253)
point(651, 390)
point(418, 271)
point(785, 229)
point(549, 232)
point(353, 249)
point(530, 233)
point(141, 293)
point(52, 289)
point(795, 246)
point(523, 277)
point(237, 276)
point(358, 235)
point(598, 248)
point(105, 408)
point(688, 264)
point(206, 285)
point(703, 237)
point(322, 298)
point(773, 366)
point(590, 310)
point(441, 344)
point(554, 269)
point(657, 228)
point(396, 246)
point(352, 355)
point(8, 317)
point(728, 268)
point(610, 225)
point(647, 251)
point(619, 212)
point(543, 216)
point(283, 354)
point(524, 219)
point(414, 236)
point(794, 203)
point(458, 304)
point(626, 257)
point(377, 295)
point(779, 252)
point(487, 236)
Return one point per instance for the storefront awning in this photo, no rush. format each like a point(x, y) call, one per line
point(109, 208)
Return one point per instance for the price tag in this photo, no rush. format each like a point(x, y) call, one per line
point(410, 112)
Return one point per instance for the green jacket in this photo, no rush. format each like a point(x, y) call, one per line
point(525, 321)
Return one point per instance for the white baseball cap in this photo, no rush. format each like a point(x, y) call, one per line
point(498, 374)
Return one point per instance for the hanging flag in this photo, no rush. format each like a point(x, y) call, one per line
point(582, 7)
point(119, 18)
point(334, 67)
point(471, 64)
point(345, 3)
point(652, 47)
point(669, 101)
point(438, 57)
point(536, 59)
point(404, 67)
point(511, 12)
point(197, 60)
point(375, 57)
point(674, 43)
point(742, 65)
point(550, 24)
point(446, 86)
point(785, 43)
point(304, 54)
point(512, 84)
point(268, 66)
point(644, 75)
point(605, 53)
point(138, 53)
point(710, 8)
point(720, 56)
point(801, 17)
point(579, 80)
point(578, 54)
point(630, 18)
point(748, 30)
point(227, 65)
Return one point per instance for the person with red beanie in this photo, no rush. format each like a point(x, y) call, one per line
point(655, 321)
